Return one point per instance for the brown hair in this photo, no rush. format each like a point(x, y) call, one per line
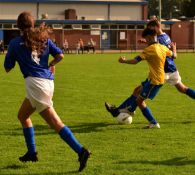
point(34, 38)
point(149, 32)
point(153, 23)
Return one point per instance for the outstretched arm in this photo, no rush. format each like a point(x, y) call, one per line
point(136, 60)
point(174, 49)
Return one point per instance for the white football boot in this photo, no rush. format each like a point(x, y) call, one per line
point(151, 125)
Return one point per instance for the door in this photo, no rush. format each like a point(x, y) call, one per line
point(1, 34)
point(105, 39)
point(113, 39)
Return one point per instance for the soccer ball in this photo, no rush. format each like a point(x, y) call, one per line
point(124, 118)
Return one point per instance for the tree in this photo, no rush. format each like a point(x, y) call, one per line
point(172, 8)
point(189, 7)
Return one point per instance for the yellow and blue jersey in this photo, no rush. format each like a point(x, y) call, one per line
point(155, 55)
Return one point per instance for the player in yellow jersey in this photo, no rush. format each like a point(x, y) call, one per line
point(155, 54)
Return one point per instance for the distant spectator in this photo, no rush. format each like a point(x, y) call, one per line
point(2, 46)
point(91, 45)
point(81, 45)
point(154, 17)
point(66, 46)
point(78, 47)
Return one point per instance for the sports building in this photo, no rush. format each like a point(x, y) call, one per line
point(113, 24)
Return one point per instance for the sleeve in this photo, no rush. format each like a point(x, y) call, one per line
point(169, 53)
point(10, 60)
point(53, 49)
point(143, 55)
point(138, 58)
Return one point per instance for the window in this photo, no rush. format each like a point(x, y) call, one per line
point(7, 26)
point(77, 26)
point(67, 26)
point(95, 26)
point(57, 26)
point(113, 27)
point(140, 27)
point(122, 26)
point(105, 27)
point(85, 27)
point(131, 27)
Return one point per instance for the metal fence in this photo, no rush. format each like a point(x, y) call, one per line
point(115, 49)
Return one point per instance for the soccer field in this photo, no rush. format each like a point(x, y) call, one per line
point(82, 84)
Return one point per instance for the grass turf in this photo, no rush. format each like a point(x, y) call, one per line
point(83, 83)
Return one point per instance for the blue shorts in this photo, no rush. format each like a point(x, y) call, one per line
point(149, 90)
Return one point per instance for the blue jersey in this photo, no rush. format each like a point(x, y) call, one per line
point(30, 63)
point(165, 40)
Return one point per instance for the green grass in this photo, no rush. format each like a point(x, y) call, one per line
point(82, 85)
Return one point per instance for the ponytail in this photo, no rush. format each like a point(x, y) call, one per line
point(34, 38)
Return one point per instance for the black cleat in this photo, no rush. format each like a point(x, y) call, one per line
point(83, 157)
point(29, 157)
point(112, 109)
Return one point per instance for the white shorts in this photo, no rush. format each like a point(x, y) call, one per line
point(39, 91)
point(173, 78)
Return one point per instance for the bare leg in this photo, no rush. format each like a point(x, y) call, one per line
point(137, 90)
point(24, 113)
point(141, 103)
point(55, 122)
point(52, 118)
point(181, 88)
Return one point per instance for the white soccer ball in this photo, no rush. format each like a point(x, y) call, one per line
point(124, 118)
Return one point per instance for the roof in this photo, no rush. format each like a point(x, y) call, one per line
point(87, 22)
point(141, 2)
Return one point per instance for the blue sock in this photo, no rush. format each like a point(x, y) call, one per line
point(129, 103)
point(29, 138)
point(66, 134)
point(190, 93)
point(147, 113)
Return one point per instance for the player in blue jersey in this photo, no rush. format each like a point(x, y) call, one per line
point(31, 51)
point(172, 76)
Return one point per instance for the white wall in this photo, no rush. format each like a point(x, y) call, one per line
point(12, 10)
point(126, 12)
point(89, 11)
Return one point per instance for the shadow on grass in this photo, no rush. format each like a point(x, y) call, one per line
point(90, 127)
point(165, 122)
point(178, 161)
point(14, 167)
point(57, 173)
point(46, 130)
point(18, 167)
point(39, 130)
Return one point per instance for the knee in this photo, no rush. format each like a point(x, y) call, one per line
point(22, 117)
point(136, 91)
point(19, 116)
point(140, 103)
point(182, 89)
